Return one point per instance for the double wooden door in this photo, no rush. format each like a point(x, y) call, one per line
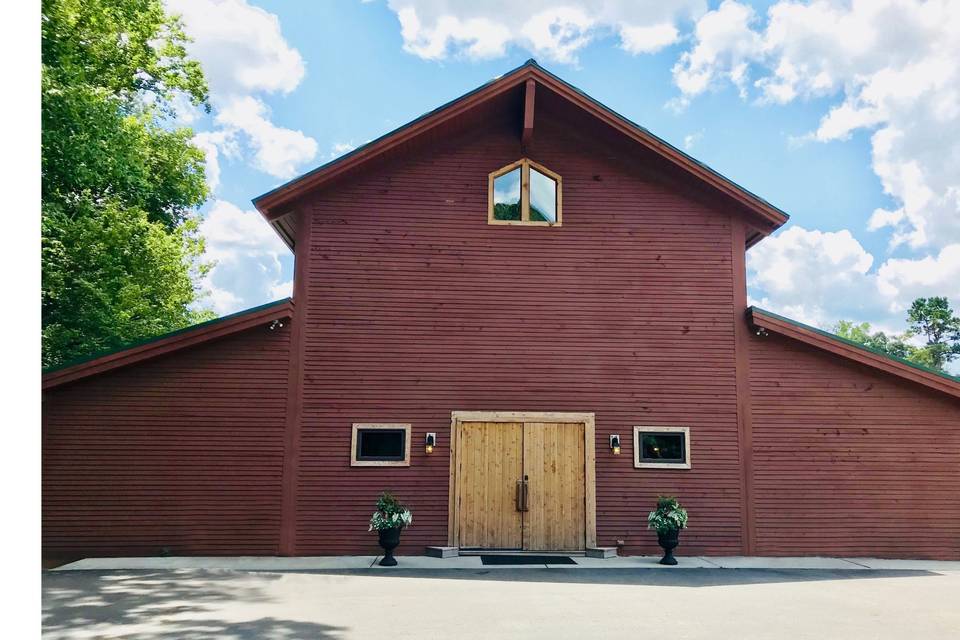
point(521, 485)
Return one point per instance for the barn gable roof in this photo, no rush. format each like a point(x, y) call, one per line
point(167, 343)
point(766, 320)
point(275, 205)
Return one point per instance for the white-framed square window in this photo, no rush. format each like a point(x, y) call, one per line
point(380, 445)
point(661, 447)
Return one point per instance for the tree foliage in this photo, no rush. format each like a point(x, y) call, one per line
point(935, 320)
point(929, 318)
point(120, 179)
point(895, 345)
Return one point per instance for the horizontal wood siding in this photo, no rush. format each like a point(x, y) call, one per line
point(182, 452)
point(418, 307)
point(850, 461)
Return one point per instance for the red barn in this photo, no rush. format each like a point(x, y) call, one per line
point(523, 279)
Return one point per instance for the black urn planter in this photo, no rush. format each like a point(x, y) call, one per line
point(389, 539)
point(668, 541)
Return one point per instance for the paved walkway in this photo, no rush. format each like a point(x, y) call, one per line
point(311, 598)
point(337, 563)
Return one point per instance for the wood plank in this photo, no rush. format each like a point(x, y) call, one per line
point(294, 409)
point(553, 462)
point(529, 96)
point(198, 471)
point(741, 331)
point(886, 452)
point(489, 467)
point(590, 482)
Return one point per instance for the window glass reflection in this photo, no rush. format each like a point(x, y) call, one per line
point(506, 196)
point(663, 447)
point(543, 197)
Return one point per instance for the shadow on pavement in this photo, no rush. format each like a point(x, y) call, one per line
point(189, 604)
point(163, 605)
point(705, 577)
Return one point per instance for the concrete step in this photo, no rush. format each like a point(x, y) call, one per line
point(601, 552)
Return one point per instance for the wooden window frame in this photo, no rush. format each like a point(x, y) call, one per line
point(638, 463)
point(366, 426)
point(525, 164)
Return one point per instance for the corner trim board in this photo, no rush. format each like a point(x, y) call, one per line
point(741, 338)
point(290, 488)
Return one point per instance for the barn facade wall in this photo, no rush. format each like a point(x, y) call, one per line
point(416, 307)
point(849, 461)
point(180, 453)
point(410, 306)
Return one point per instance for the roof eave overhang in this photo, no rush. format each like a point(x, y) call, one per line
point(760, 319)
point(277, 204)
point(163, 345)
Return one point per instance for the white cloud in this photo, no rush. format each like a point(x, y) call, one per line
point(248, 257)
point(893, 66)
point(691, 139)
point(725, 43)
point(911, 279)
point(222, 301)
point(821, 277)
point(648, 39)
point(478, 37)
point(340, 148)
point(817, 277)
point(241, 47)
point(214, 144)
point(277, 151)
point(437, 29)
point(281, 290)
point(244, 56)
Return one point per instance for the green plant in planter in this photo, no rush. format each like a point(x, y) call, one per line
point(667, 520)
point(668, 516)
point(390, 514)
point(390, 518)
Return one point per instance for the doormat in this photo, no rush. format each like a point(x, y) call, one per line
point(527, 560)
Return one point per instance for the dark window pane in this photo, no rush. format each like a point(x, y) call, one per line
point(506, 196)
point(381, 444)
point(663, 447)
point(543, 197)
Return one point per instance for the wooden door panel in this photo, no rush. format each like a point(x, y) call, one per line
point(490, 463)
point(553, 462)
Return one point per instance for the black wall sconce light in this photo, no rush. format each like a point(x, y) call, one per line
point(431, 442)
point(615, 444)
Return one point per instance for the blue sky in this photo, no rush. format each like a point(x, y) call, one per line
point(846, 115)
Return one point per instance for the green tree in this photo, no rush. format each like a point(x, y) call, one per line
point(895, 345)
point(121, 255)
point(929, 317)
point(934, 319)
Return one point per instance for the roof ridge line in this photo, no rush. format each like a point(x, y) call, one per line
point(273, 203)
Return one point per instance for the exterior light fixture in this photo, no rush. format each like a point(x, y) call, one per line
point(431, 442)
point(615, 444)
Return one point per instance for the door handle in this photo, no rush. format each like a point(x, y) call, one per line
point(522, 495)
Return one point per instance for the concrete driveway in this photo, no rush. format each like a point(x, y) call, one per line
point(188, 604)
